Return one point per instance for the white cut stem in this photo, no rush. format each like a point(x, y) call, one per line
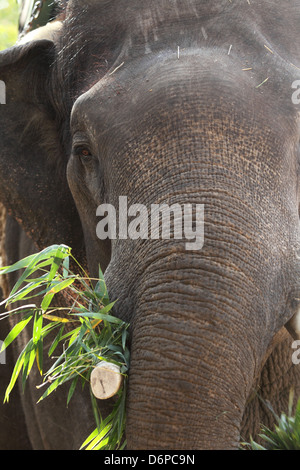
point(106, 380)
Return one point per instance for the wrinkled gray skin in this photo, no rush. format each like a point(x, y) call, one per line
point(207, 327)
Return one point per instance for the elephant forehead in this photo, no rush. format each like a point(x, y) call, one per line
point(134, 48)
point(204, 83)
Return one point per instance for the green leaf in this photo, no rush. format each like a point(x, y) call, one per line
point(102, 315)
point(73, 333)
point(24, 263)
point(121, 415)
point(102, 444)
point(95, 411)
point(100, 336)
point(37, 326)
point(124, 338)
point(297, 416)
point(39, 355)
point(72, 389)
point(25, 308)
point(53, 386)
point(23, 292)
point(17, 370)
point(32, 261)
point(97, 441)
point(16, 331)
point(256, 446)
point(60, 255)
point(28, 364)
point(54, 289)
point(90, 438)
point(66, 266)
point(56, 341)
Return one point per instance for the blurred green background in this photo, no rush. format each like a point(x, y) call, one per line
point(8, 23)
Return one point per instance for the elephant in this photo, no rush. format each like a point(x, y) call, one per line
point(166, 102)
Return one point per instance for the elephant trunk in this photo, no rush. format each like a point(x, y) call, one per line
point(200, 327)
point(191, 358)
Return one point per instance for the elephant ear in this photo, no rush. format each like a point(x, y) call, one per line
point(33, 184)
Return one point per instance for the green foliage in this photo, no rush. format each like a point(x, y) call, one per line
point(9, 11)
point(85, 333)
point(286, 433)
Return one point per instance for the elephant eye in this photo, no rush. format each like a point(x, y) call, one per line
point(82, 152)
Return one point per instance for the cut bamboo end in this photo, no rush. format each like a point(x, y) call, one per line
point(106, 380)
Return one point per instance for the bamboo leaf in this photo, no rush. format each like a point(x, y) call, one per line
point(66, 266)
point(53, 386)
point(103, 444)
point(54, 289)
point(90, 438)
point(30, 263)
point(39, 355)
point(28, 364)
point(102, 315)
point(24, 308)
point(37, 326)
point(98, 440)
point(121, 415)
point(54, 318)
point(95, 411)
point(99, 336)
point(60, 255)
point(72, 389)
point(18, 265)
point(23, 292)
point(55, 341)
point(16, 331)
point(124, 338)
point(17, 369)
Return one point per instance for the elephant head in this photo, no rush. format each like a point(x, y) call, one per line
point(176, 103)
